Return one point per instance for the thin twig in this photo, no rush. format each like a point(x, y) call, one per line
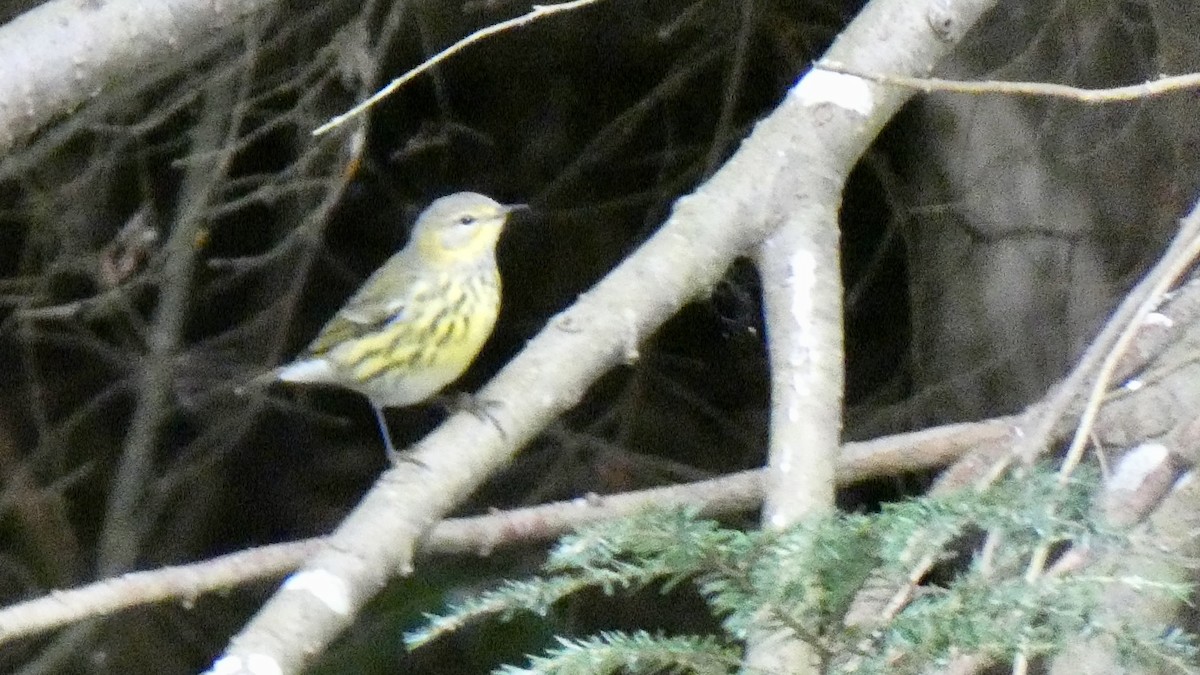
point(1159, 87)
point(538, 12)
point(1178, 259)
point(125, 520)
point(1040, 421)
point(734, 493)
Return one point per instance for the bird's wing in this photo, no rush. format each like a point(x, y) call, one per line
point(381, 300)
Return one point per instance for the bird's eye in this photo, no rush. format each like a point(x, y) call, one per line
point(466, 220)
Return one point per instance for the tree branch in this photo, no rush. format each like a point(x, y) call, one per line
point(61, 54)
point(481, 535)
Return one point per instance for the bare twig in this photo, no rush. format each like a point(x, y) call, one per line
point(538, 12)
point(1159, 87)
point(735, 493)
point(1148, 295)
point(1101, 358)
point(125, 521)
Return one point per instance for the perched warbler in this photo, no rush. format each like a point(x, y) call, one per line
point(417, 323)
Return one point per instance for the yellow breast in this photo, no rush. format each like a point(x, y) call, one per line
point(428, 345)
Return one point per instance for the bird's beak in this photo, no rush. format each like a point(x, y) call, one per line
point(510, 208)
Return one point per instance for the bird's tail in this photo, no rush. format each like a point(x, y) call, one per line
point(312, 370)
point(306, 370)
point(257, 383)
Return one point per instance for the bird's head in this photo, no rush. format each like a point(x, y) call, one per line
point(460, 228)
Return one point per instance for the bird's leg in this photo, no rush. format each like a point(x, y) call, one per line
point(392, 453)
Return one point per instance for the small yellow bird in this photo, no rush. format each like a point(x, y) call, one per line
point(417, 323)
